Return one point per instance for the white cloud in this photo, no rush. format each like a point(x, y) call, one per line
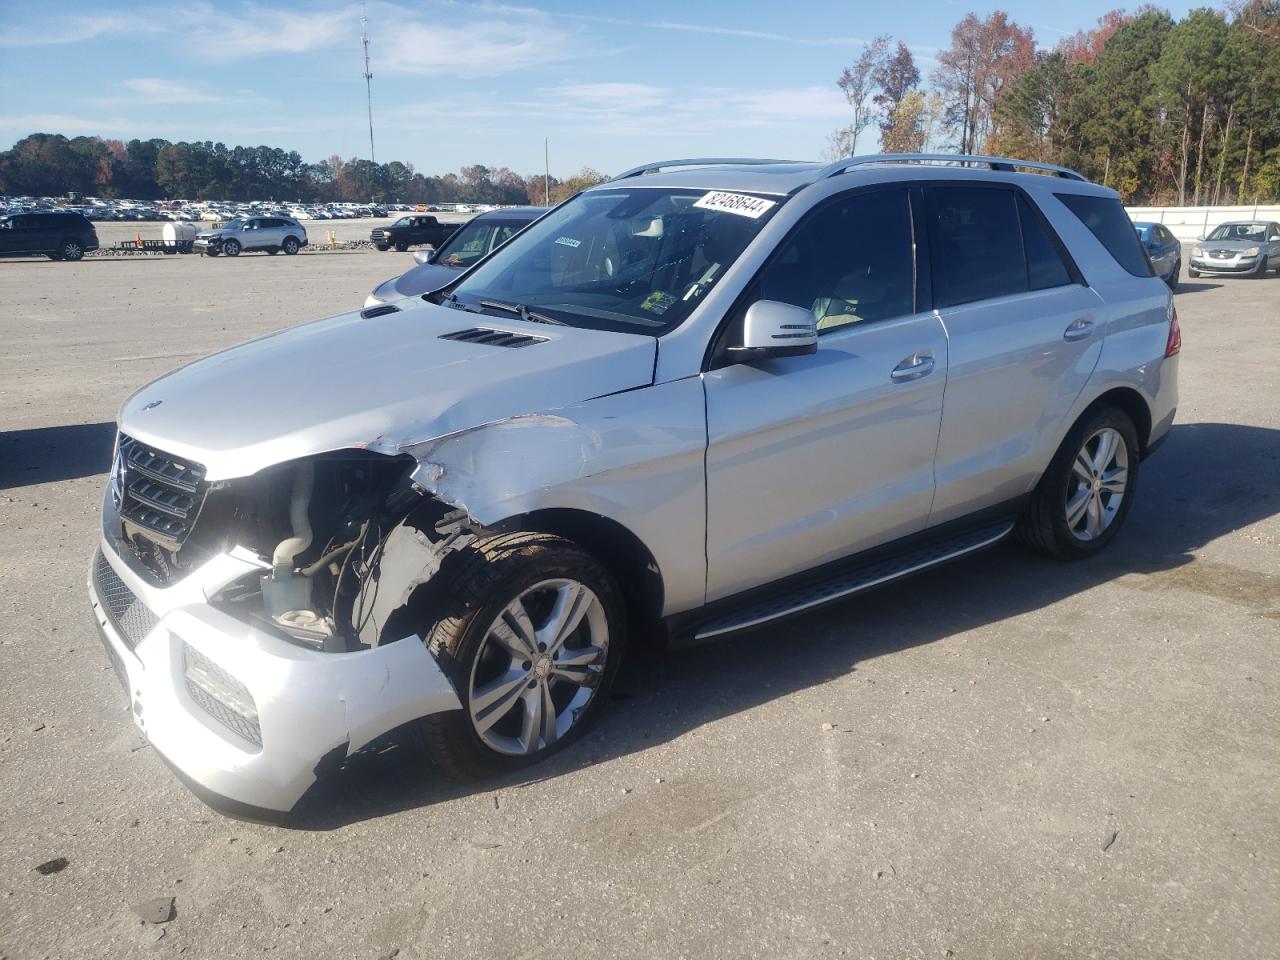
point(72, 126)
point(250, 29)
point(58, 30)
point(158, 90)
point(473, 48)
point(605, 98)
point(756, 34)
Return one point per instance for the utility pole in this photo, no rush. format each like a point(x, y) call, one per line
point(368, 77)
point(546, 179)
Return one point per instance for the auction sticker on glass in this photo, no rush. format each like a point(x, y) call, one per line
point(739, 203)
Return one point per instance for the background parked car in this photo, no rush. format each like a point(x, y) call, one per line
point(410, 231)
point(474, 239)
point(1164, 250)
point(1239, 248)
point(271, 234)
point(59, 236)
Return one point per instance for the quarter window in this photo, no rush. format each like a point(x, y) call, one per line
point(978, 254)
point(851, 262)
point(1106, 220)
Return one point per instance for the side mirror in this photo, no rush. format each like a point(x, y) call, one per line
point(423, 256)
point(772, 329)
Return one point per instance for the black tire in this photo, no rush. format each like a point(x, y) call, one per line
point(401, 247)
point(1263, 267)
point(54, 256)
point(71, 250)
point(231, 248)
point(212, 252)
point(1193, 274)
point(382, 247)
point(290, 246)
point(479, 584)
point(272, 251)
point(1172, 279)
point(1043, 526)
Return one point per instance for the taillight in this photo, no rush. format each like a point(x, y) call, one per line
point(1173, 345)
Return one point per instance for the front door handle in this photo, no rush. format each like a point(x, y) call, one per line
point(1078, 329)
point(919, 364)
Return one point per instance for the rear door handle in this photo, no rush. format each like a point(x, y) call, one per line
point(919, 364)
point(1078, 329)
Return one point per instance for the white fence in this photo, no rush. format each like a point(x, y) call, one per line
point(1188, 223)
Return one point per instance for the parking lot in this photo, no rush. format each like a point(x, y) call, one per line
point(1004, 758)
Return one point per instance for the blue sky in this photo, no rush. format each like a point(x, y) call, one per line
point(467, 82)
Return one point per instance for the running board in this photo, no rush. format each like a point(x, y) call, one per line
point(854, 581)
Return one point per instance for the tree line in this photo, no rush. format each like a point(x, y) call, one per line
point(1164, 111)
point(44, 164)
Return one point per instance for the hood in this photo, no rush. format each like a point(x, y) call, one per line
point(383, 382)
point(424, 278)
point(1230, 244)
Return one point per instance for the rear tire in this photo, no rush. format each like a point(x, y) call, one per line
point(231, 248)
point(1073, 512)
point(527, 689)
point(290, 246)
point(71, 250)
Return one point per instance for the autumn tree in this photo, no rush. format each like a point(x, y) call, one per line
point(858, 83)
point(985, 56)
point(895, 76)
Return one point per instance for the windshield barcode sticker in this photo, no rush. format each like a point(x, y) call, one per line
point(569, 242)
point(738, 203)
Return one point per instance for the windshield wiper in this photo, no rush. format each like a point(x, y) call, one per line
point(523, 312)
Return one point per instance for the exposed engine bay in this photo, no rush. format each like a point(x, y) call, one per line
point(318, 528)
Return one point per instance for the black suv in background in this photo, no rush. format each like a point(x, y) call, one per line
point(59, 236)
point(408, 231)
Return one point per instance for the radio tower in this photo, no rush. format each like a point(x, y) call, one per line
point(368, 77)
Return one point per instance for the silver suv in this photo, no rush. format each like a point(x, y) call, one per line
point(702, 396)
point(269, 234)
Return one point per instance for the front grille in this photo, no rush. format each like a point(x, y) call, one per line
point(129, 615)
point(160, 494)
point(221, 695)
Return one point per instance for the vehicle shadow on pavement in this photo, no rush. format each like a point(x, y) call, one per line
point(1208, 480)
point(45, 454)
point(1192, 286)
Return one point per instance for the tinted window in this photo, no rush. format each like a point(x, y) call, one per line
point(1044, 264)
point(850, 262)
point(978, 253)
point(1106, 220)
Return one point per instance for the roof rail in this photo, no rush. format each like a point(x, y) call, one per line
point(700, 162)
point(1004, 164)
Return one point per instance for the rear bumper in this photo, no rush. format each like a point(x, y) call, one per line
point(308, 707)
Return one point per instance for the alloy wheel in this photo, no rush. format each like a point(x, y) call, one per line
point(538, 667)
point(1096, 487)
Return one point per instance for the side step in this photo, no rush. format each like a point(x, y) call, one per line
point(855, 580)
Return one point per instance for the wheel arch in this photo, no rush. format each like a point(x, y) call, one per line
point(625, 555)
point(1132, 403)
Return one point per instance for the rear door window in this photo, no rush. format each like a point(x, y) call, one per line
point(1045, 267)
point(977, 244)
point(1106, 220)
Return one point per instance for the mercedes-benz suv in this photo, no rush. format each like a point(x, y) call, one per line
point(692, 400)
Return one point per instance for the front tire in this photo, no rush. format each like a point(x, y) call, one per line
point(1084, 496)
point(401, 247)
point(1263, 267)
point(532, 636)
point(231, 248)
point(1172, 279)
point(1193, 274)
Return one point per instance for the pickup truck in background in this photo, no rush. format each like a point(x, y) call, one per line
point(408, 231)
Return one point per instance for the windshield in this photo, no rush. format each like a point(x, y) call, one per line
point(1238, 231)
point(474, 240)
point(233, 225)
point(634, 259)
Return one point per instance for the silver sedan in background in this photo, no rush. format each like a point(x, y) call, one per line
point(1239, 248)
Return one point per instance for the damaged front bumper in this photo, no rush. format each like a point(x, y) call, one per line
point(245, 717)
